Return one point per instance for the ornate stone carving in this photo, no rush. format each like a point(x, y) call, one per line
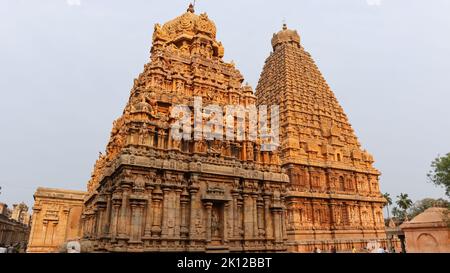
point(166, 189)
point(319, 150)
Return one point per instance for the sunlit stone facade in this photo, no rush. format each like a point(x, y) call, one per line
point(150, 192)
point(333, 197)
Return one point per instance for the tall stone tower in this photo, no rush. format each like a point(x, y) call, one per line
point(333, 196)
point(150, 192)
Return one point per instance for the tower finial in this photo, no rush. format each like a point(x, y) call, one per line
point(191, 8)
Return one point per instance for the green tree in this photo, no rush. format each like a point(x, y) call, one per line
point(388, 203)
point(424, 204)
point(396, 213)
point(404, 203)
point(440, 173)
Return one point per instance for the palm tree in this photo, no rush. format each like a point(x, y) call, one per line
point(388, 198)
point(396, 213)
point(404, 203)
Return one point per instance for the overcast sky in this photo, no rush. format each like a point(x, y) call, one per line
point(67, 67)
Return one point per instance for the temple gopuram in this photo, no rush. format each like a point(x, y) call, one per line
point(333, 197)
point(151, 191)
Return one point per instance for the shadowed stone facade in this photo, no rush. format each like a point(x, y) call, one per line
point(14, 224)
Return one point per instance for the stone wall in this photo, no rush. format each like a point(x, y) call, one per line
point(12, 232)
point(56, 219)
point(428, 232)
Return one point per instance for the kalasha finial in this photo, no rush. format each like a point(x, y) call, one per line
point(191, 8)
point(284, 26)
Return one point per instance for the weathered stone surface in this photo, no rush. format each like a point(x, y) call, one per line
point(428, 232)
point(333, 197)
point(14, 224)
point(56, 219)
point(149, 192)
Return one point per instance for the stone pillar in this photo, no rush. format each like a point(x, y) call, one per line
point(136, 220)
point(163, 138)
point(100, 220)
point(244, 151)
point(156, 213)
point(283, 222)
point(36, 215)
point(123, 231)
point(45, 231)
point(369, 185)
point(151, 137)
point(54, 225)
point(267, 218)
point(358, 189)
point(107, 217)
point(208, 207)
point(355, 215)
point(160, 139)
point(240, 217)
point(226, 215)
point(374, 217)
point(184, 200)
point(331, 208)
point(310, 177)
point(277, 224)
point(265, 157)
point(234, 214)
point(362, 221)
point(257, 152)
point(192, 214)
point(177, 213)
point(313, 213)
point(87, 226)
point(148, 214)
point(165, 213)
point(260, 210)
point(327, 186)
point(248, 216)
point(255, 214)
point(92, 226)
point(115, 217)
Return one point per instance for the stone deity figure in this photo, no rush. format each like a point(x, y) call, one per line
point(215, 224)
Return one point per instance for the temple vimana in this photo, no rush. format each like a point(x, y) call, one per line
point(150, 192)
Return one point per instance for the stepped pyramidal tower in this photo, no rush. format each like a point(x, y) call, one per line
point(151, 192)
point(333, 197)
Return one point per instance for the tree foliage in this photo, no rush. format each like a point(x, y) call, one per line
point(440, 172)
point(397, 213)
point(424, 204)
point(388, 203)
point(388, 198)
point(403, 201)
point(400, 214)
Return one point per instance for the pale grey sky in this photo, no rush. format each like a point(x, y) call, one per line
point(67, 67)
